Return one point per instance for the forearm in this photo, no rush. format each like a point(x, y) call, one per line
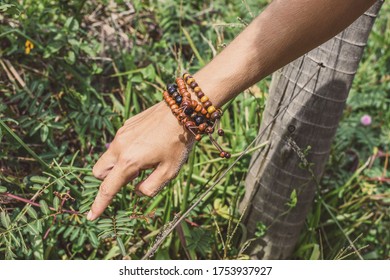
point(284, 31)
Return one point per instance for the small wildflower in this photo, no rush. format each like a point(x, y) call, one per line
point(107, 145)
point(28, 46)
point(366, 120)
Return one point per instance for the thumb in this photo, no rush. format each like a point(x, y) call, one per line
point(156, 181)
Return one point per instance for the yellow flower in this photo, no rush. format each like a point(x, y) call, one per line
point(28, 46)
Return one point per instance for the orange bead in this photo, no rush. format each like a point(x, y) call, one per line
point(208, 115)
point(194, 104)
point(203, 111)
point(198, 108)
point(172, 102)
point(187, 94)
point(202, 127)
point(204, 99)
point(174, 106)
point(198, 137)
point(211, 109)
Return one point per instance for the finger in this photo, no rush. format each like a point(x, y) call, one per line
point(104, 165)
point(156, 181)
point(119, 176)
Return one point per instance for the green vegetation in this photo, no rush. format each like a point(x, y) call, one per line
point(73, 71)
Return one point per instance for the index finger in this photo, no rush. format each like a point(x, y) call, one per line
point(115, 180)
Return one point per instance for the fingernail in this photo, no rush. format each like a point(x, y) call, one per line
point(90, 215)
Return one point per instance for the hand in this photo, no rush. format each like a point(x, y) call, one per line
point(151, 139)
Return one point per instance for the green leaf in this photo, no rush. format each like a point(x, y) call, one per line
point(5, 220)
point(293, 199)
point(52, 48)
point(315, 254)
point(44, 207)
point(75, 233)
point(56, 203)
point(44, 132)
point(39, 179)
point(32, 213)
point(93, 238)
point(32, 228)
point(3, 189)
point(70, 58)
point(121, 246)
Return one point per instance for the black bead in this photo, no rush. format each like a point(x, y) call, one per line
point(179, 99)
point(171, 88)
point(199, 119)
point(188, 111)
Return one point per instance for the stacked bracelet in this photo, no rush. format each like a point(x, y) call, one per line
point(197, 117)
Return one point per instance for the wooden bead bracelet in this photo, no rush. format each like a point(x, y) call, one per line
point(197, 117)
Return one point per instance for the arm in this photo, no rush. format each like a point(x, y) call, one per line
point(154, 139)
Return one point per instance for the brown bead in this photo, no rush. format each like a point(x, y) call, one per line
point(222, 154)
point(181, 116)
point(179, 80)
point(190, 80)
point(200, 94)
point(187, 94)
point(185, 103)
point(193, 84)
point(172, 102)
point(194, 103)
point(183, 121)
point(208, 115)
point(185, 75)
point(197, 89)
point(176, 111)
point(175, 94)
point(188, 124)
point(174, 106)
point(198, 137)
point(227, 155)
point(165, 94)
point(221, 132)
point(202, 127)
point(215, 116)
point(207, 104)
point(209, 130)
point(198, 108)
point(203, 111)
point(187, 78)
point(193, 116)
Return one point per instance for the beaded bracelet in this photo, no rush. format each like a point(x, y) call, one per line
point(197, 117)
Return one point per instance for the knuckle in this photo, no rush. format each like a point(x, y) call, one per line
point(105, 192)
point(127, 162)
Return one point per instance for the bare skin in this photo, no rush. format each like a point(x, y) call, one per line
point(284, 31)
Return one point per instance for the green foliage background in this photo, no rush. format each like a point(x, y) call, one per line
point(96, 63)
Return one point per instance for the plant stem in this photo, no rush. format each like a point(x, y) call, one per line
point(35, 203)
